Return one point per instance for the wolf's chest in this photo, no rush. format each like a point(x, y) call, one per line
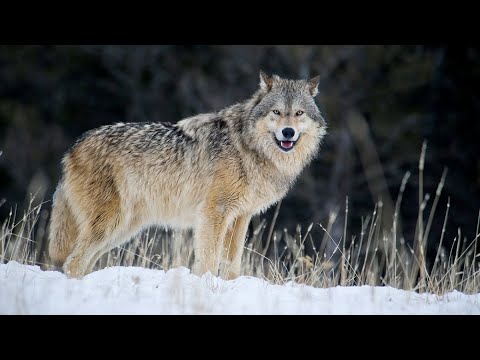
point(263, 193)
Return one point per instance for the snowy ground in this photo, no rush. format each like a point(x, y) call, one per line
point(133, 290)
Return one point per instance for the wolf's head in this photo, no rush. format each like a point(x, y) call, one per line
point(286, 124)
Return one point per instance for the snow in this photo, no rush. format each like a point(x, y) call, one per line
point(133, 290)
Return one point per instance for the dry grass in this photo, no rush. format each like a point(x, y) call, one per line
point(377, 256)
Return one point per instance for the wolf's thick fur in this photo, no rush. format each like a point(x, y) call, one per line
point(209, 172)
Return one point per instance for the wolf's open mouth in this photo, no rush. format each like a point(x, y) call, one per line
point(285, 145)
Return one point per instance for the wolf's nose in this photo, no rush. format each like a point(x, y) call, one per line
point(288, 133)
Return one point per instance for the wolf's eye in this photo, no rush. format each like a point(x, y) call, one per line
point(276, 112)
point(298, 113)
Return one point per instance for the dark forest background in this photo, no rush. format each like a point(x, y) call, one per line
point(380, 103)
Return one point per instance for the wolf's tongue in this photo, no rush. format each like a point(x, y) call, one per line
point(286, 144)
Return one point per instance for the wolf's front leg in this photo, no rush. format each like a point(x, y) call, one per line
point(234, 243)
point(209, 235)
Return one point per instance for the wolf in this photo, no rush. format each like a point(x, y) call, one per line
point(210, 173)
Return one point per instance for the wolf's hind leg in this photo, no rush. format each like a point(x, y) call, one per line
point(95, 258)
point(77, 263)
point(118, 239)
point(93, 237)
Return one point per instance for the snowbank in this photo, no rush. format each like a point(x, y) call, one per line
point(132, 290)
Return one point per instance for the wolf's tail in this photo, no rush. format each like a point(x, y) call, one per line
point(63, 228)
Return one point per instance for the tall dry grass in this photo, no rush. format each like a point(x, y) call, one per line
point(376, 256)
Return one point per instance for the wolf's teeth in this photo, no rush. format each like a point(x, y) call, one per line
point(286, 144)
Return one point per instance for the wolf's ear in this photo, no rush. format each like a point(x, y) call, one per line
point(313, 85)
point(266, 82)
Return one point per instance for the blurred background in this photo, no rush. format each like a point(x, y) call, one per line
point(380, 103)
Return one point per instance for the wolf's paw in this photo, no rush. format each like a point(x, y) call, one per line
point(72, 269)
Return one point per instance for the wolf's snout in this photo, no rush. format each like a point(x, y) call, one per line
point(287, 139)
point(288, 133)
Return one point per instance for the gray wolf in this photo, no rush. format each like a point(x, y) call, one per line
point(210, 172)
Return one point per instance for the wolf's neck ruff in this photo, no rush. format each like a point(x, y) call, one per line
point(210, 172)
